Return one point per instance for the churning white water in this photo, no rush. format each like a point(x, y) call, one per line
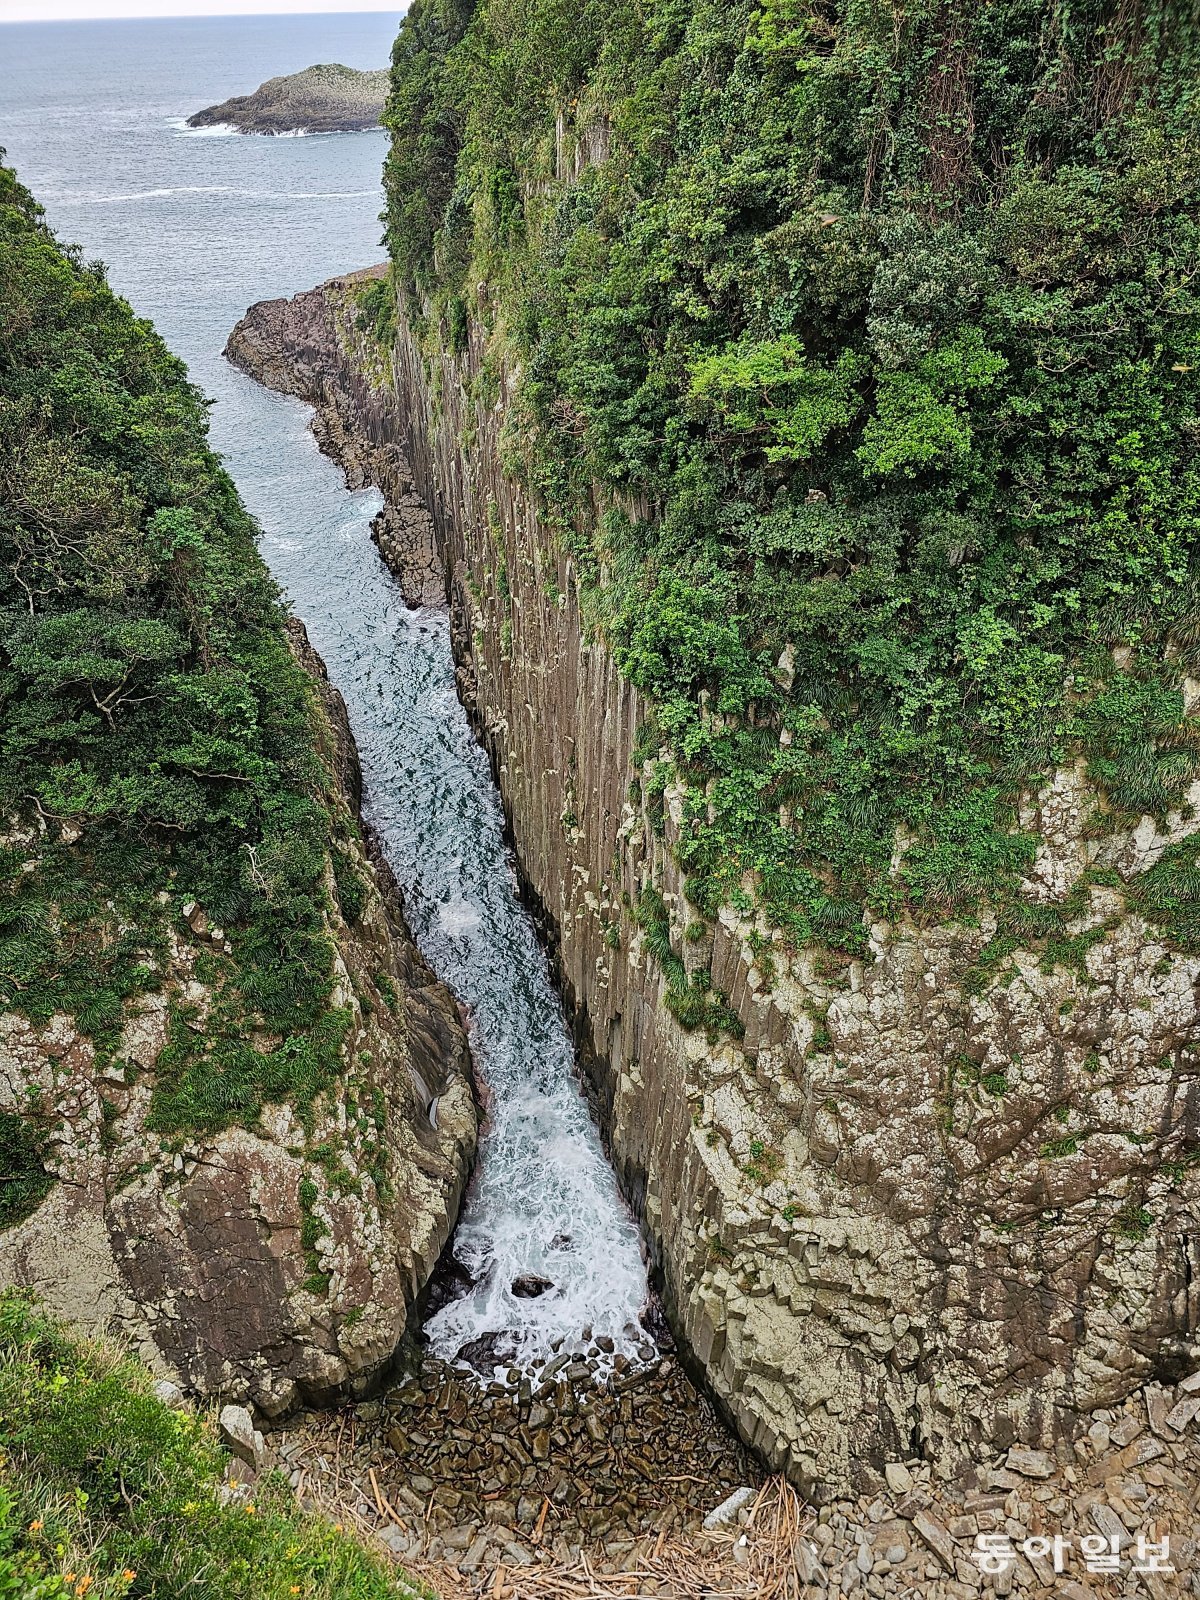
point(194, 225)
point(543, 1212)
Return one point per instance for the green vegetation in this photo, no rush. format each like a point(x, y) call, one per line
point(24, 1182)
point(158, 741)
point(105, 1492)
point(690, 1000)
point(764, 1163)
point(377, 312)
point(890, 315)
point(312, 1230)
point(1133, 1222)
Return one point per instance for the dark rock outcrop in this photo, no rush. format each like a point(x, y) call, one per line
point(324, 99)
point(530, 1285)
point(311, 347)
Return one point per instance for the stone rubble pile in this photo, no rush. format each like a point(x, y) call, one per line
point(472, 1470)
point(1077, 1522)
point(482, 1485)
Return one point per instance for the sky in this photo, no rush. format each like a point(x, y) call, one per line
point(80, 10)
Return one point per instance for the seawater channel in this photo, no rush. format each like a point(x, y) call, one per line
point(193, 227)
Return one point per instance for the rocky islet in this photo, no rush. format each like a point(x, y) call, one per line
point(322, 99)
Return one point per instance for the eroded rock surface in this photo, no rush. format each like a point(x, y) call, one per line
point(194, 1246)
point(311, 347)
point(323, 99)
point(934, 1202)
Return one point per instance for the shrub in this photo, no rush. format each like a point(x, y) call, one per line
point(106, 1492)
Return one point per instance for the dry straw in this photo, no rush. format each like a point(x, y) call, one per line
point(757, 1561)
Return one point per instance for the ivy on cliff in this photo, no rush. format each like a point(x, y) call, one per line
point(877, 330)
point(157, 738)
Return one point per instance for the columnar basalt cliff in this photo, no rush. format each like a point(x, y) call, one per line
point(926, 1202)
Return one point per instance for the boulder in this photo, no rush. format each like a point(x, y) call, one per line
point(530, 1285)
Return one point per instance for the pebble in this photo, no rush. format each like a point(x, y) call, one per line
point(1126, 1431)
point(473, 1559)
point(936, 1536)
point(1181, 1414)
point(808, 1563)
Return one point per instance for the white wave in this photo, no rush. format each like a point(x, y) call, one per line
point(457, 917)
point(314, 133)
point(543, 1203)
point(219, 130)
point(223, 130)
point(221, 188)
point(160, 194)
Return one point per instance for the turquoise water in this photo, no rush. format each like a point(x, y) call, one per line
point(193, 228)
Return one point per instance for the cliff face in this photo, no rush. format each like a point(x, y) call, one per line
point(219, 1048)
point(881, 1225)
point(274, 1263)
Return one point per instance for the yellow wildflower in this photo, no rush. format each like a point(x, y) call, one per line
point(36, 1525)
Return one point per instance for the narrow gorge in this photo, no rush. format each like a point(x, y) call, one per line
point(618, 961)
